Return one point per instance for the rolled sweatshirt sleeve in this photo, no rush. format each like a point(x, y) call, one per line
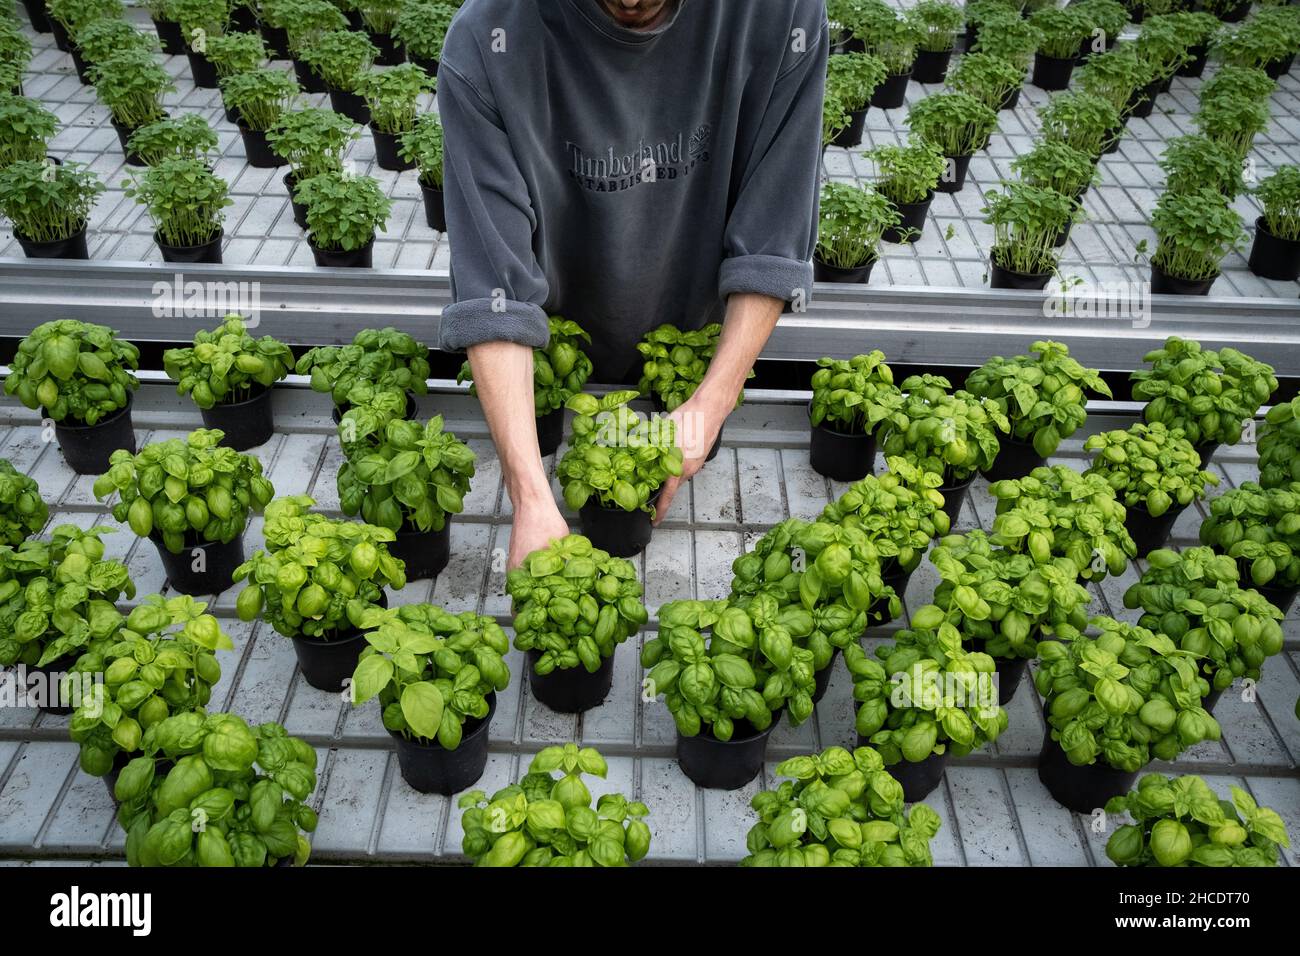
point(772, 230)
point(498, 288)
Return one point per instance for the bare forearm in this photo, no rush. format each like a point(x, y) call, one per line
point(748, 325)
point(503, 378)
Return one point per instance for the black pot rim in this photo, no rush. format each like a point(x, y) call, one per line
point(311, 241)
point(706, 732)
point(1012, 272)
point(260, 392)
point(1259, 227)
point(73, 424)
point(834, 431)
point(221, 234)
point(193, 542)
point(320, 641)
point(85, 224)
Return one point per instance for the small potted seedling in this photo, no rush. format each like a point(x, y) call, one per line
point(311, 20)
point(343, 214)
point(341, 58)
point(165, 25)
point(853, 219)
point(423, 146)
point(956, 124)
point(1063, 30)
point(200, 20)
point(379, 18)
point(1165, 46)
point(260, 98)
point(1200, 29)
point(1275, 253)
point(421, 28)
point(1052, 164)
point(1026, 222)
point(1007, 35)
point(393, 97)
point(850, 400)
point(68, 17)
point(49, 206)
point(80, 377)
point(312, 141)
point(131, 84)
point(907, 176)
point(993, 81)
point(185, 200)
point(851, 79)
point(1194, 232)
point(938, 22)
point(893, 38)
point(15, 55)
point(100, 39)
point(1088, 123)
point(1193, 162)
point(189, 137)
point(235, 53)
point(1122, 78)
point(1106, 21)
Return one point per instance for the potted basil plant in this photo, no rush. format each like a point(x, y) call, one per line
point(131, 84)
point(379, 18)
point(908, 176)
point(343, 214)
point(1194, 162)
point(189, 137)
point(851, 399)
point(1195, 231)
point(1053, 164)
point(957, 125)
point(1275, 253)
point(185, 200)
point(992, 80)
point(376, 361)
point(939, 22)
point(25, 127)
point(49, 206)
point(1026, 221)
point(851, 79)
point(893, 38)
point(393, 97)
point(1279, 445)
point(422, 146)
point(23, 512)
point(340, 58)
point(1063, 30)
point(260, 98)
point(1089, 123)
point(1260, 528)
point(311, 141)
point(421, 28)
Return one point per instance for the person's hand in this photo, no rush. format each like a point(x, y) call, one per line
point(536, 525)
point(699, 420)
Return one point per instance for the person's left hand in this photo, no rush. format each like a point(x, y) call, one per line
point(698, 422)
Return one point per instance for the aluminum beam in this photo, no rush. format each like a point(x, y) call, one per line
point(921, 325)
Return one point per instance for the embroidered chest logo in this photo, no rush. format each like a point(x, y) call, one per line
point(614, 170)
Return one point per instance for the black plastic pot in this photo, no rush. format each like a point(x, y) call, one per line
point(37, 16)
point(427, 64)
point(725, 764)
point(355, 20)
point(571, 690)
point(1143, 100)
point(50, 672)
point(1081, 789)
point(911, 221)
point(1164, 284)
point(1236, 14)
point(387, 147)
point(931, 66)
point(351, 105)
point(1010, 671)
point(86, 448)
point(623, 534)
point(363, 258)
point(823, 272)
point(971, 36)
point(79, 64)
point(390, 51)
point(954, 495)
point(73, 247)
point(299, 208)
point(61, 39)
point(1010, 100)
point(1015, 460)
point(1000, 278)
point(851, 135)
point(917, 779)
point(202, 70)
point(308, 79)
point(1148, 533)
point(1276, 69)
point(123, 135)
point(550, 431)
point(435, 210)
point(1272, 257)
point(893, 576)
point(823, 677)
point(327, 664)
point(246, 424)
point(258, 151)
point(1086, 50)
point(840, 455)
point(1211, 700)
point(426, 553)
point(1113, 145)
point(429, 768)
point(170, 36)
point(243, 20)
point(1053, 72)
point(1196, 65)
point(1137, 12)
point(1280, 598)
point(1206, 451)
point(209, 251)
point(218, 563)
point(954, 174)
point(891, 93)
point(277, 41)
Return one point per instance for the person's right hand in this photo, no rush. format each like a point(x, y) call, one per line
point(535, 526)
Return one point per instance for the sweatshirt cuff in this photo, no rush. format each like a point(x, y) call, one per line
point(475, 321)
point(773, 276)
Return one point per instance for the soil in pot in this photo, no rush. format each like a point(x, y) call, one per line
point(86, 448)
point(1000, 278)
point(247, 424)
point(1148, 533)
point(170, 36)
point(387, 151)
point(299, 208)
point(891, 94)
point(954, 175)
point(571, 690)
point(202, 70)
point(435, 210)
point(327, 662)
point(1015, 460)
point(426, 553)
point(1272, 257)
point(624, 534)
point(202, 567)
point(1196, 65)
point(123, 135)
point(931, 66)
point(954, 495)
point(911, 220)
point(363, 258)
point(840, 455)
point(1053, 72)
point(258, 150)
point(828, 273)
point(277, 41)
point(851, 135)
point(390, 51)
point(823, 677)
point(46, 686)
point(725, 764)
point(1162, 283)
point(550, 431)
point(209, 251)
point(351, 105)
point(429, 768)
point(308, 79)
point(73, 247)
point(37, 16)
point(918, 780)
point(1081, 789)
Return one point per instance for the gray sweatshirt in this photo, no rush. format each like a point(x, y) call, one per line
point(625, 179)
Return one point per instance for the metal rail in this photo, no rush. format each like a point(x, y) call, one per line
point(912, 325)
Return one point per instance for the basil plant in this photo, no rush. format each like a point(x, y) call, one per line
point(1260, 528)
point(1180, 821)
point(901, 511)
point(376, 361)
point(22, 510)
point(559, 371)
point(953, 434)
point(1279, 445)
point(1193, 598)
point(676, 362)
point(1150, 467)
point(574, 604)
point(840, 809)
point(925, 696)
point(431, 670)
point(748, 668)
point(546, 820)
point(75, 371)
point(1123, 697)
point(856, 395)
point(1043, 394)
